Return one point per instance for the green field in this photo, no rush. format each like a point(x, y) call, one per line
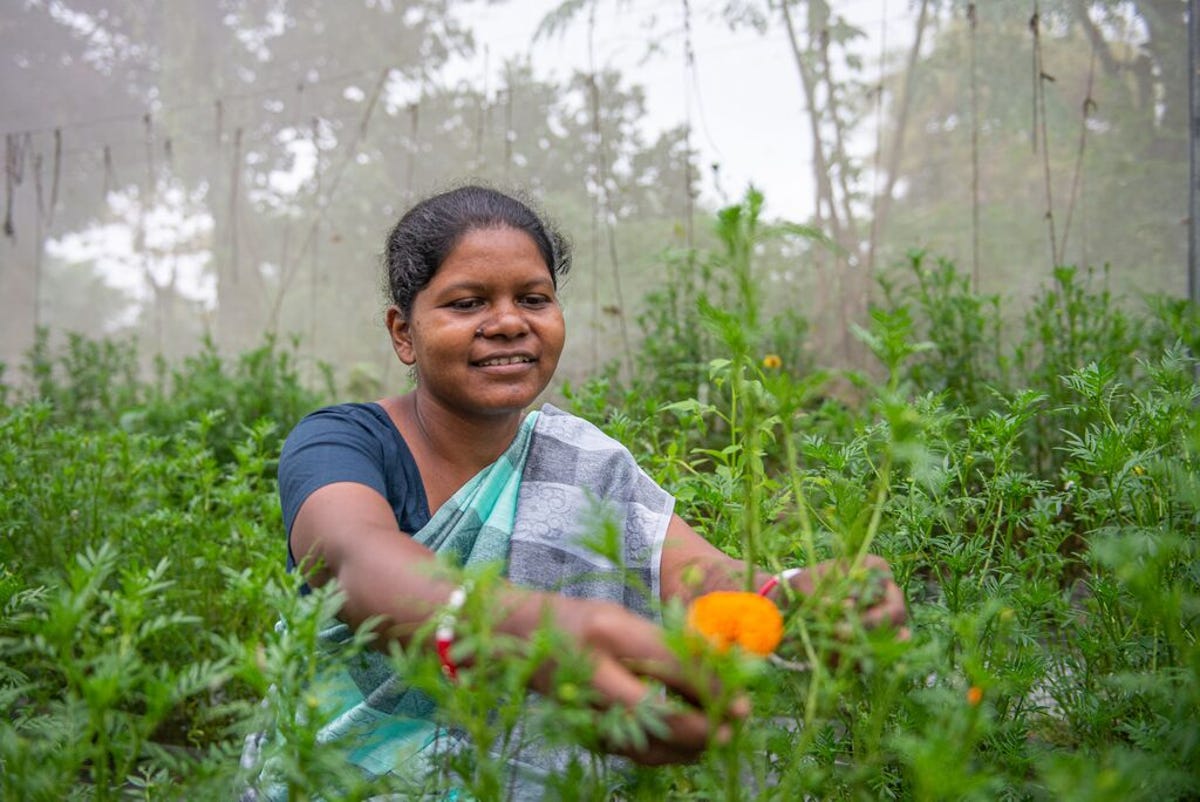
point(1032, 474)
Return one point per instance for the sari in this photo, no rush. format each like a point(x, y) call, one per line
point(534, 511)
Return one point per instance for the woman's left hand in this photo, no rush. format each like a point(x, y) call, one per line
point(691, 567)
point(871, 591)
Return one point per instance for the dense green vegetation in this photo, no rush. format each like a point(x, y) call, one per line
point(1035, 482)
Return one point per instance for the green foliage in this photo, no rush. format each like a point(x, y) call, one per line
point(142, 524)
point(1033, 483)
point(87, 381)
point(966, 328)
point(260, 385)
point(93, 384)
point(89, 697)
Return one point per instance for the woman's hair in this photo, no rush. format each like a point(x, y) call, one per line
point(427, 233)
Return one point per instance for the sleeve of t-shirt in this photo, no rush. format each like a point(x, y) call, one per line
point(328, 446)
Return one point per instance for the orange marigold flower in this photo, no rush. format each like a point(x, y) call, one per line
point(974, 695)
point(727, 617)
point(772, 362)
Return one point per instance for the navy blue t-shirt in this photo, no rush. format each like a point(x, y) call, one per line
point(350, 443)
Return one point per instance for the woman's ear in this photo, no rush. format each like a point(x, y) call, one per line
point(401, 335)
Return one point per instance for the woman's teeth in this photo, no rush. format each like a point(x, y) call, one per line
point(504, 360)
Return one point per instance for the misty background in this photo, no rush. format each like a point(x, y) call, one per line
point(210, 168)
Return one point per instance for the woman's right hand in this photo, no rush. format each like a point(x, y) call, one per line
point(628, 650)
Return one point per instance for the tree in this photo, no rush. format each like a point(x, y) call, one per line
point(198, 93)
point(837, 99)
point(60, 65)
point(1079, 163)
point(527, 132)
point(280, 139)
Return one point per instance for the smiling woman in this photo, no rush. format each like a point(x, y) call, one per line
point(486, 332)
point(458, 471)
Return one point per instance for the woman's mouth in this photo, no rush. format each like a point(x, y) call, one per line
point(504, 360)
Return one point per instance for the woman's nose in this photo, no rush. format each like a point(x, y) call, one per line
point(506, 320)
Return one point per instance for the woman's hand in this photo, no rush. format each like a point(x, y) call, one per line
point(691, 567)
point(628, 650)
point(870, 591)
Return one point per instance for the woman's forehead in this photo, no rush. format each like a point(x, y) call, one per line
point(494, 246)
point(488, 255)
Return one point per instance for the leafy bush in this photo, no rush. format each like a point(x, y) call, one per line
point(260, 385)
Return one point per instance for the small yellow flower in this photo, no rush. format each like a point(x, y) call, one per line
point(729, 617)
point(1139, 470)
point(974, 695)
point(772, 362)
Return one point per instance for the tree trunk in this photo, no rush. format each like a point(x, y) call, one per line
point(896, 151)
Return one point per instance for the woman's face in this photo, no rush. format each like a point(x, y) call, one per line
point(486, 333)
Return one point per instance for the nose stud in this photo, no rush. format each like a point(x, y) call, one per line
point(479, 331)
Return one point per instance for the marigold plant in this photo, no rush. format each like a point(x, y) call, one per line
point(734, 617)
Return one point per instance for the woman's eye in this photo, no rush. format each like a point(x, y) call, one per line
point(465, 304)
point(535, 301)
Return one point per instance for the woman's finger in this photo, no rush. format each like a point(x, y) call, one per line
point(639, 647)
point(891, 611)
point(688, 730)
point(627, 652)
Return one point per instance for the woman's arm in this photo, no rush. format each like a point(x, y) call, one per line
point(348, 531)
point(691, 567)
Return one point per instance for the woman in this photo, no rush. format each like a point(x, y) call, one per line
point(373, 494)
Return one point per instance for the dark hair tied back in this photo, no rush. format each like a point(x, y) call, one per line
point(429, 231)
